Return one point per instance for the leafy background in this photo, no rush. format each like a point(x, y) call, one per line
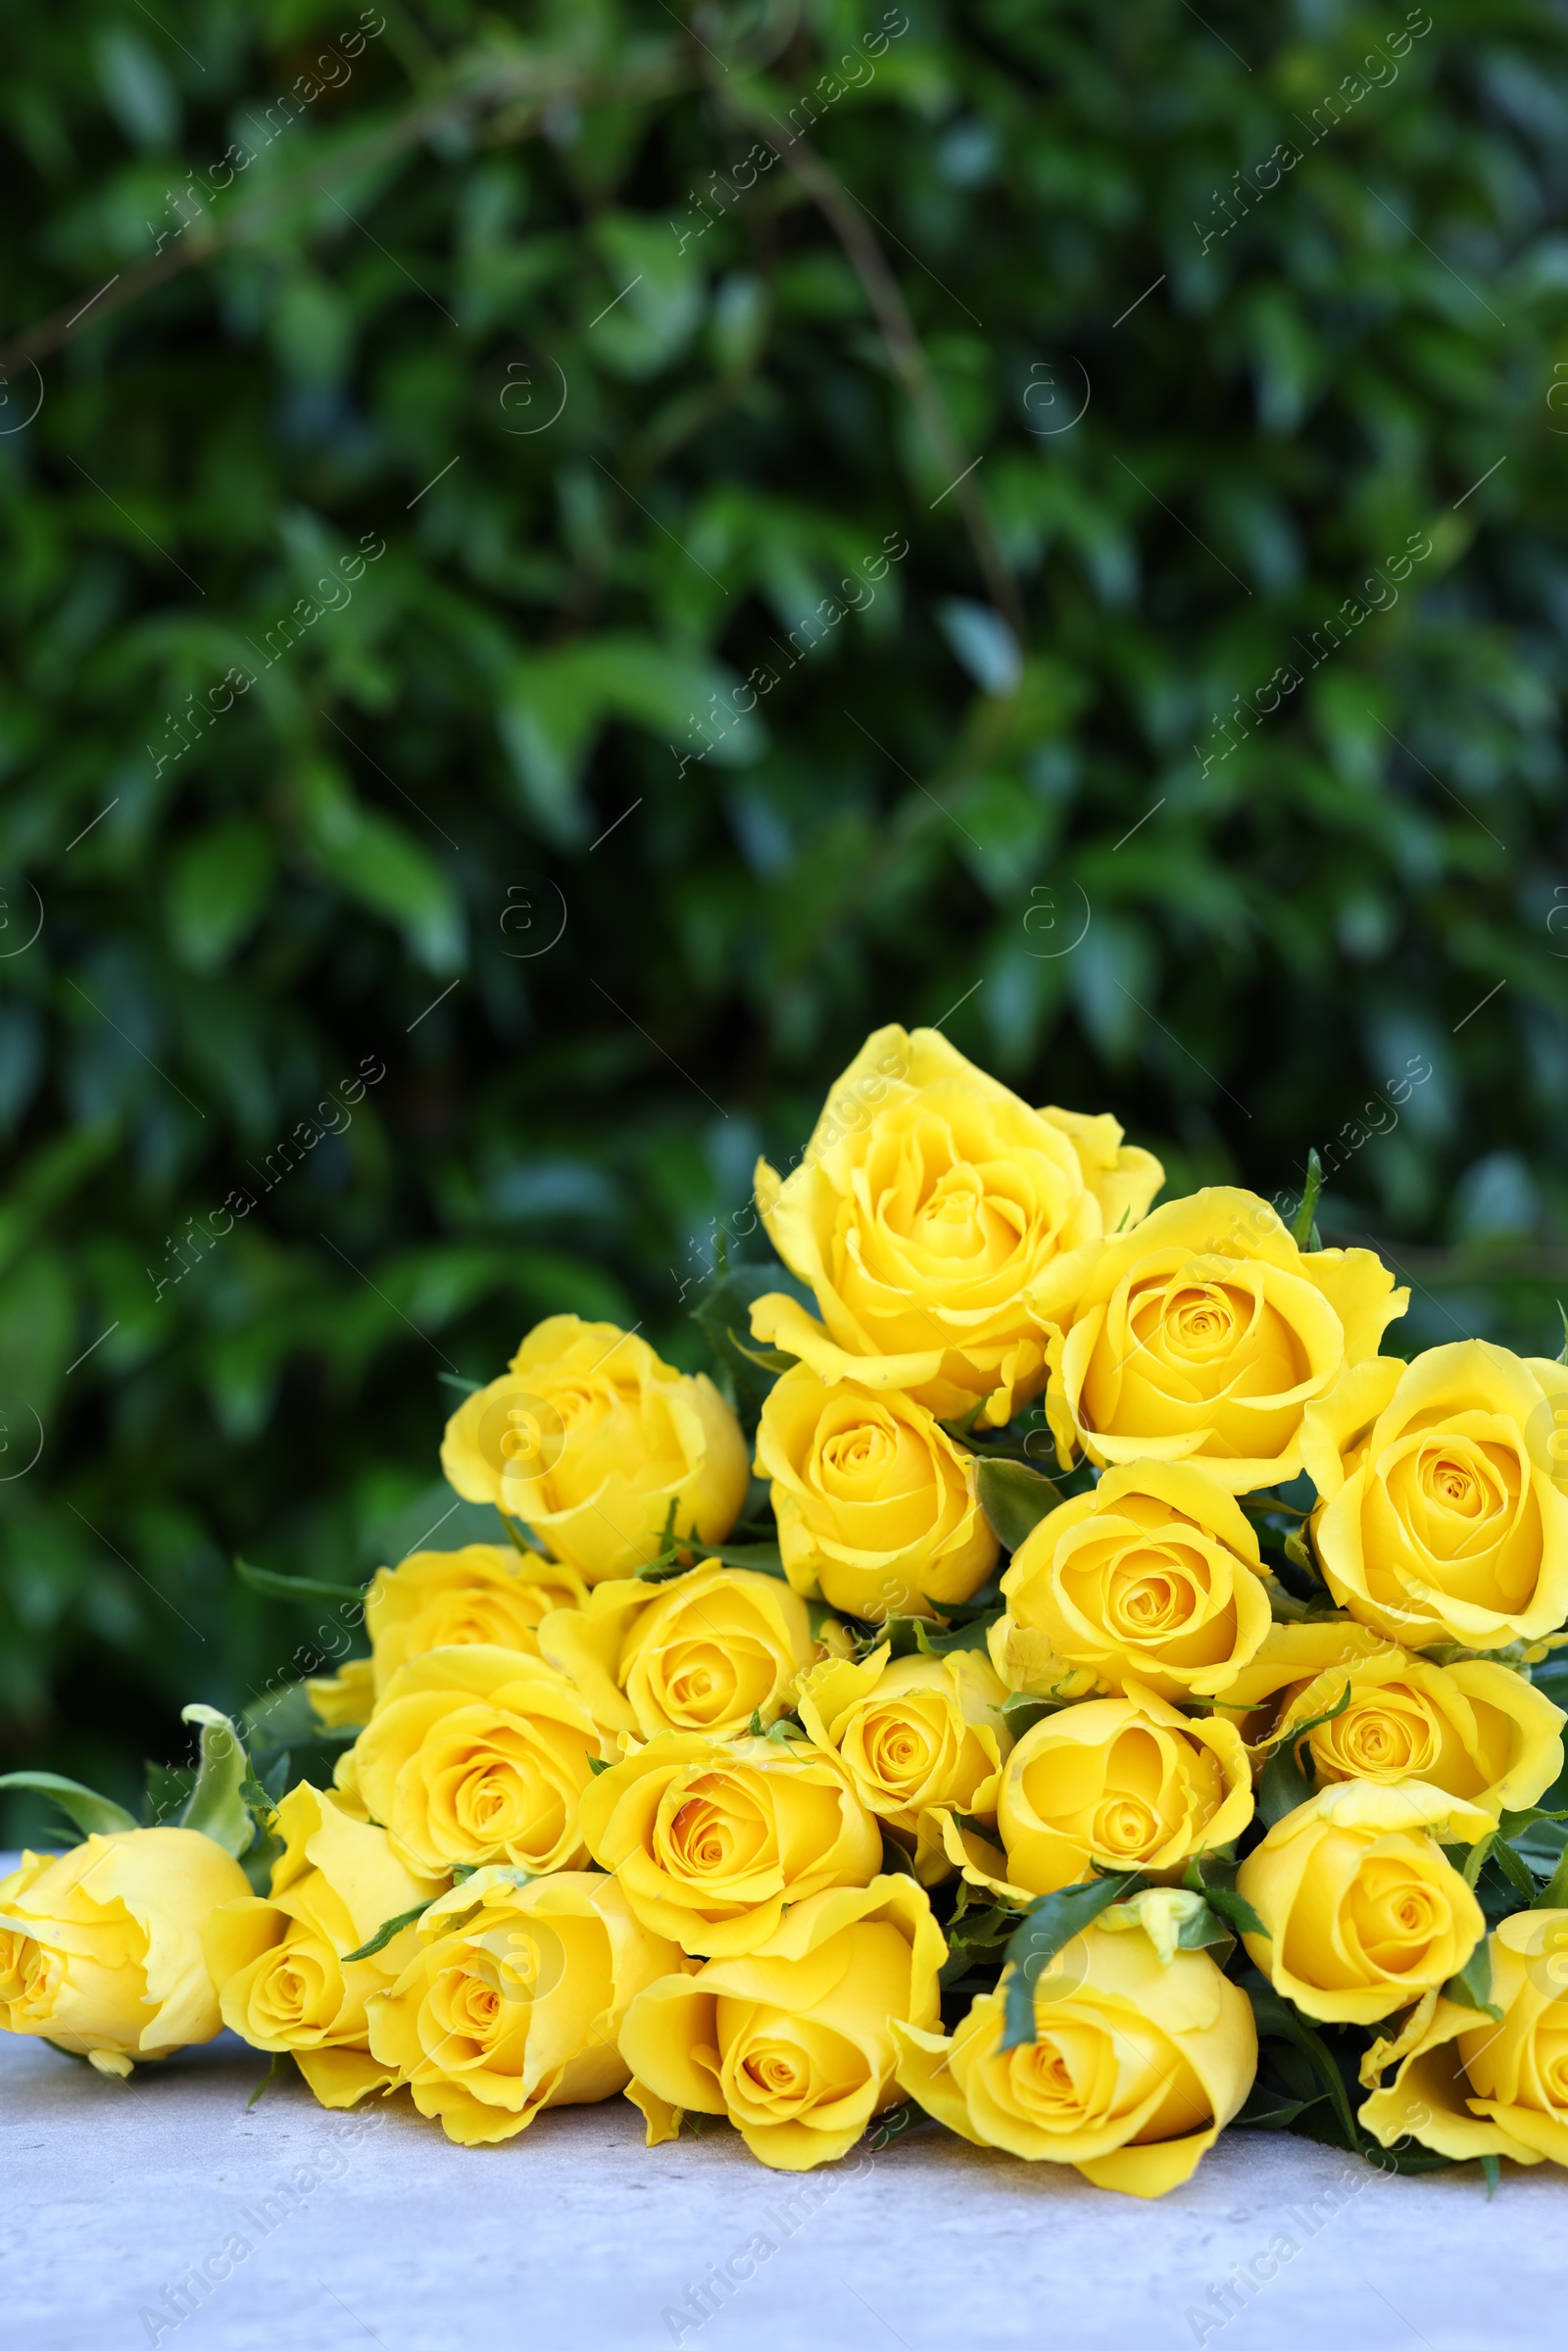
point(367, 860)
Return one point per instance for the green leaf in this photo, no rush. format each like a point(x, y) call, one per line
point(1215, 1880)
point(1020, 1714)
point(1277, 2019)
point(1048, 1926)
point(385, 1931)
point(721, 1309)
point(896, 2124)
point(216, 1807)
point(761, 1558)
point(1515, 1869)
point(281, 1718)
point(1476, 1857)
point(1014, 1498)
point(1553, 1895)
point(1281, 1785)
point(294, 1588)
point(94, 1815)
point(1471, 1987)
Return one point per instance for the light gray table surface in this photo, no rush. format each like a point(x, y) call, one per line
point(573, 2236)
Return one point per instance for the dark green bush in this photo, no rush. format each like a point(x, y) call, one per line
point(362, 861)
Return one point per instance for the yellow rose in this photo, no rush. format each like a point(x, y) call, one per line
point(1137, 2067)
point(913, 1735)
point(928, 1202)
point(101, 1947)
point(1363, 1911)
point(1469, 2087)
point(514, 2001)
point(1155, 1574)
point(487, 1591)
point(589, 1438)
point(703, 1653)
point(1439, 1520)
point(1128, 1782)
point(877, 1508)
point(476, 1756)
point(714, 1839)
point(793, 2041)
point(1204, 1334)
point(279, 1961)
point(342, 1701)
point(1473, 1730)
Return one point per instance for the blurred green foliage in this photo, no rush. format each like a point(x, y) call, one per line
point(527, 300)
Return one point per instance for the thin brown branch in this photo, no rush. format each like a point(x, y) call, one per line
point(905, 349)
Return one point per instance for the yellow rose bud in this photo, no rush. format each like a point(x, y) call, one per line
point(928, 1202)
point(477, 1755)
point(1468, 2085)
point(704, 1652)
point(1128, 1782)
point(714, 1840)
point(589, 1438)
point(1440, 1519)
point(794, 2042)
point(914, 1735)
point(1473, 1730)
point(1137, 2067)
point(278, 1962)
point(515, 1999)
point(877, 1508)
point(1204, 1333)
point(1155, 1574)
point(101, 1947)
point(1363, 1911)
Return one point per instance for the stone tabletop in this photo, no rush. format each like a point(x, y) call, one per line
point(127, 2205)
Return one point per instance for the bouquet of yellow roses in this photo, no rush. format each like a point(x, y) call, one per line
point(1117, 1706)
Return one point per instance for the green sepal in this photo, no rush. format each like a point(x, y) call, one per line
point(385, 1931)
point(1303, 1232)
point(293, 1588)
point(1553, 1895)
point(1215, 1879)
point(1471, 1987)
point(94, 1815)
point(1047, 1926)
point(895, 1862)
point(939, 1641)
point(1014, 1499)
point(597, 1764)
point(1491, 2172)
point(454, 1379)
point(216, 1807)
